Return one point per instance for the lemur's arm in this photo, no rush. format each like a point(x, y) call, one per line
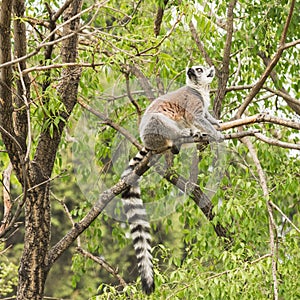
point(212, 120)
point(205, 126)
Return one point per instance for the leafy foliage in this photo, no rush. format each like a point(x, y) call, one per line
point(122, 63)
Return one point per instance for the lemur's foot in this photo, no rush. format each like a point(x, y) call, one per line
point(199, 134)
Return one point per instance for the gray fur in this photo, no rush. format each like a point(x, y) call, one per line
point(181, 113)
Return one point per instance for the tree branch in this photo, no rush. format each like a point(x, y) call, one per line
point(276, 142)
point(135, 104)
point(272, 225)
point(104, 264)
point(281, 90)
point(103, 199)
point(224, 72)
point(285, 216)
point(200, 46)
point(256, 88)
point(112, 124)
point(159, 17)
point(259, 118)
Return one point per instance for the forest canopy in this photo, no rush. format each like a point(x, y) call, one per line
point(75, 79)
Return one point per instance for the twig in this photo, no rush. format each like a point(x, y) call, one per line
point(284, 215)
point(135, 104)
point(44, 43)
point(283, 95)
point(64, 65)
point(164, 37)
point(66, 209)
point(276, 142)
point(112, 124)
point(4, 131)
point(104, 264)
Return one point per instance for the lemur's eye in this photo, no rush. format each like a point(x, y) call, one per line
point(199, 70)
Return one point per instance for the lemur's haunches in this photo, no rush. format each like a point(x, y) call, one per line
point(179, 114)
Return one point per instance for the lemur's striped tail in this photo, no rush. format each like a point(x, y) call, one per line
point(139, 227)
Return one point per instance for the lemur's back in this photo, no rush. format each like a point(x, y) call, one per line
point(181, 105)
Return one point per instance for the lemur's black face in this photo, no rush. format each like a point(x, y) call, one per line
point(199, 75)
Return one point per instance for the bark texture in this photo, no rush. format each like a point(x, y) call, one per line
point(33, 174)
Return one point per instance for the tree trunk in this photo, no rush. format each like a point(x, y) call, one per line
point(34, 175)
point(33, 267)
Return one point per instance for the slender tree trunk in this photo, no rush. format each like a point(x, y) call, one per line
point(34, 174)
point(33, 269)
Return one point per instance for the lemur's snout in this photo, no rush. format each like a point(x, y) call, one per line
point(211, 73)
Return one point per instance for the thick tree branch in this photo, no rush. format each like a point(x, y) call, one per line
point(97, 208)
point(293, 103)
point(260, 118)
point(224, 72)
point(159, 17)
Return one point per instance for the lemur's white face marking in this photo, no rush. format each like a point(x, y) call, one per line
point(197, 76)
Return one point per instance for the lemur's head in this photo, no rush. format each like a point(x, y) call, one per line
point(199, 76)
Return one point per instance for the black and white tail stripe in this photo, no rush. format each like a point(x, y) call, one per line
point(139, 226)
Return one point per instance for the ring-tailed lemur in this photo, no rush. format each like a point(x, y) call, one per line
point(179, 114)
